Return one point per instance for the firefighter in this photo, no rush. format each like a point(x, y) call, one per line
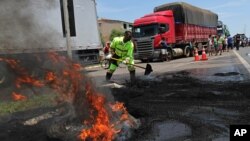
point(123, 49)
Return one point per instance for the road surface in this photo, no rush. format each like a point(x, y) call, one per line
point(184, 100)
point(226, 63)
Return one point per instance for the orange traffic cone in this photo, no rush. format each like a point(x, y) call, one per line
point(204, 55)
point(196, 57)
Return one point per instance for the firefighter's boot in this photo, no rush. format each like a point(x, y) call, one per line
point(108, 76)
point(132, 77)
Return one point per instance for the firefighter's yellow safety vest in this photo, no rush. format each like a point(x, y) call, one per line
point(122, 49)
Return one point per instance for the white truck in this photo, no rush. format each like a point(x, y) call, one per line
point(34, 26)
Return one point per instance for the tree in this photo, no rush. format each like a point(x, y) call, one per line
point(115, 33)
point(227, 33)
point(102, 40)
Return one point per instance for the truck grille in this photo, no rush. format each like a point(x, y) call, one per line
point(144, 48)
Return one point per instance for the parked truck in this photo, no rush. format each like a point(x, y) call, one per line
point(35, 26)
point(180, 23)
point(222, 29)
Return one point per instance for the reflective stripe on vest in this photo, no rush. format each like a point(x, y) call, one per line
point(121, 49)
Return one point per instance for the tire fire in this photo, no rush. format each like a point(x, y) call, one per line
point(106, 119)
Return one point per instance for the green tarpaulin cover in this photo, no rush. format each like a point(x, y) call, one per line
point(186, 13)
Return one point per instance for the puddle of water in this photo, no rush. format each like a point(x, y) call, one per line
point(171, 129)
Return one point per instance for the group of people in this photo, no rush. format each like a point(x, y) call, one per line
point(122, 49)
point(218, 44)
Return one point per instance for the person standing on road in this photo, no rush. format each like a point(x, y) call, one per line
point(220, 43)
point(237, 42)
point(106, 49)
point(123, 48)
point(230, 42)
point(163, 45)
point(210, 45)
point(193, 46)
point(225, 44)
point(215, 45)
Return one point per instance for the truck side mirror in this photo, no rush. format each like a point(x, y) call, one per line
point(162, 30)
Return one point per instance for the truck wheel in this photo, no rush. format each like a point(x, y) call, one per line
point(187, 52)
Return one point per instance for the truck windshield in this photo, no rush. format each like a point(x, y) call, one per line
point(220, 31)
point(145, 31)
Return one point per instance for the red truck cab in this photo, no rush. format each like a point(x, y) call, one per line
point(180, 24)
point(150, 24)
point(147, 33)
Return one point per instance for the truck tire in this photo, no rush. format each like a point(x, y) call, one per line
point(187, 51)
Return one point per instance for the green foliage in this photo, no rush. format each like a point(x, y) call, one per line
point(35, 102)
point(115, 33)
point(102, 39)
point(226, 31)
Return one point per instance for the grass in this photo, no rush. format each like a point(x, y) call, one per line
point(31, 103)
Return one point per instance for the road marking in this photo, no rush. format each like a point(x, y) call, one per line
point(243, 61)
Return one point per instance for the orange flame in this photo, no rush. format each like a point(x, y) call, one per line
point(50, 76)
point(28, 80)
point(67, 82)
point(119, 107)
point(18, 97)
point(101, 128)
point(77, 66)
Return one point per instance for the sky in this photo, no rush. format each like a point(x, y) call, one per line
point(234, 13)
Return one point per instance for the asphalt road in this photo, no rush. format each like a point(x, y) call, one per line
point(185, 99)
point(229, 63)
point(174, 105)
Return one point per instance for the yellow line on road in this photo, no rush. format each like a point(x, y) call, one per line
point(243, 61)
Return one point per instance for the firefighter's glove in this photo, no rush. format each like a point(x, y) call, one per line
point(126, 61)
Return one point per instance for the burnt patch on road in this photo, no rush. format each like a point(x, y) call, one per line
point(227, 74)
point(178, 102)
